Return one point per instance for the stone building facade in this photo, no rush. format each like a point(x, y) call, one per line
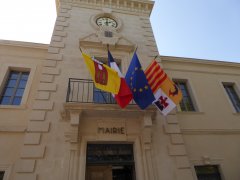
point(55, 125)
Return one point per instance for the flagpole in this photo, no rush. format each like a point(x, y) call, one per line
point(136, 49)
point(155, 57)
point(80, 48)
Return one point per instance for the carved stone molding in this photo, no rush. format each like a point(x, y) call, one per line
point(99, 40)
point(72, 134)
point(128, 5)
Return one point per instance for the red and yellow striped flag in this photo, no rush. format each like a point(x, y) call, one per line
point(166, 92)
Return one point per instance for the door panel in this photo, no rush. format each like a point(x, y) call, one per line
point(99, 173)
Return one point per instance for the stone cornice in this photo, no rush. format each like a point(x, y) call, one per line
point(142, 6)
point(210, 131)
point(104, 110)
point(199, 61)
point(12, 128)
point(23, 44)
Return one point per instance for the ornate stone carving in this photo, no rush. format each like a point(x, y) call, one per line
point(100, 40)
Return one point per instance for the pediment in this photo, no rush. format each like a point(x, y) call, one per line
point(99, 40)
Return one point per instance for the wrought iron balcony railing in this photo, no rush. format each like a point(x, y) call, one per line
point(84, 91)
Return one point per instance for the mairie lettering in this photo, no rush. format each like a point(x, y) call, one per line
point(112, 130)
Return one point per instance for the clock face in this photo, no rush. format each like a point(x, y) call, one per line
point(106, 21)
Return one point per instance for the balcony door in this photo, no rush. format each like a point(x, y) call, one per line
point(110, 162)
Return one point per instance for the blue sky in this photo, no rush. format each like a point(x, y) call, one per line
point(206, 29)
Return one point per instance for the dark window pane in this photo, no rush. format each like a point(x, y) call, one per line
point(19, 92)
point(5, 100)
point(208, 172)
point(233, 96)
point(1, 175)
point(186, 103)
point(14, 88)
point(102, 97)
point(11, 83)
point(22, 84)
point(8, 92)
point(25, 76)
point(14, 75)
point(16, 100)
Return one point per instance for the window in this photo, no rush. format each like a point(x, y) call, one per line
point(102, 97)
point(1, 175)
point(108, 34)
point(208, 172)
point(14, 88)
point(186, 104)
point(233, 96)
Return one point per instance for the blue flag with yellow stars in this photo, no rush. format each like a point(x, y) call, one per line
point(137, 81)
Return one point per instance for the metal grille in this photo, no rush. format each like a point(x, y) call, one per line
point(84, 91)
point(110, 153)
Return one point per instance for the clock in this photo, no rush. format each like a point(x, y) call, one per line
point(106, 21)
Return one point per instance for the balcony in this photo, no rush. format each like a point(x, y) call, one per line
point(86, 101)
point(84, 91)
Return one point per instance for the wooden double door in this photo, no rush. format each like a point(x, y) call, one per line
point(110, 162)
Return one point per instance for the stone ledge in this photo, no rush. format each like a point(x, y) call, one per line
point(176, 150)
point(58, 44)
point(43, 95)
point(172, 128)
point(66, 15)
point(49, 63)
point(184, 174)
point(60, 23)
point(172, 119)
point(25, 176)
point(63, 10)
point(177, 139)
point(9, 128)
point(47, 87)
point(42, 105)
point(59, 28)
point(37, 115)
point(57, 38)
point(46, 77)
point(25, 166)
point(38, 126)
point(51, 71)
point(53, 50)
point(33, 151)
point(182, 162)
point(32, 138)
point(57, 57)
point(65, 6)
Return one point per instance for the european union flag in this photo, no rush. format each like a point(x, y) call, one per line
point(137, 81)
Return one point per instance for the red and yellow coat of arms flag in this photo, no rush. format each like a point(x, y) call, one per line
point(166, 92)
point(103, 76)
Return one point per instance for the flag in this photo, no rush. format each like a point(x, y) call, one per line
point(136, 80)
point(103, 76)
point(124, 95)
point(166, 92)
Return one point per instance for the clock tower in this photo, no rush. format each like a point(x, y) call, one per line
point(75, 132)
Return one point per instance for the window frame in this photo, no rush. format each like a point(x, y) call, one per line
point(16, 87)
point(236, 90)
point(97, 93)
point(7, 170)
point(217, 165)
point(4, 74)
point(190, 95)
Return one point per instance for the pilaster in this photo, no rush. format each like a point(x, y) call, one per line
point(34, 148)
point(176, 148)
